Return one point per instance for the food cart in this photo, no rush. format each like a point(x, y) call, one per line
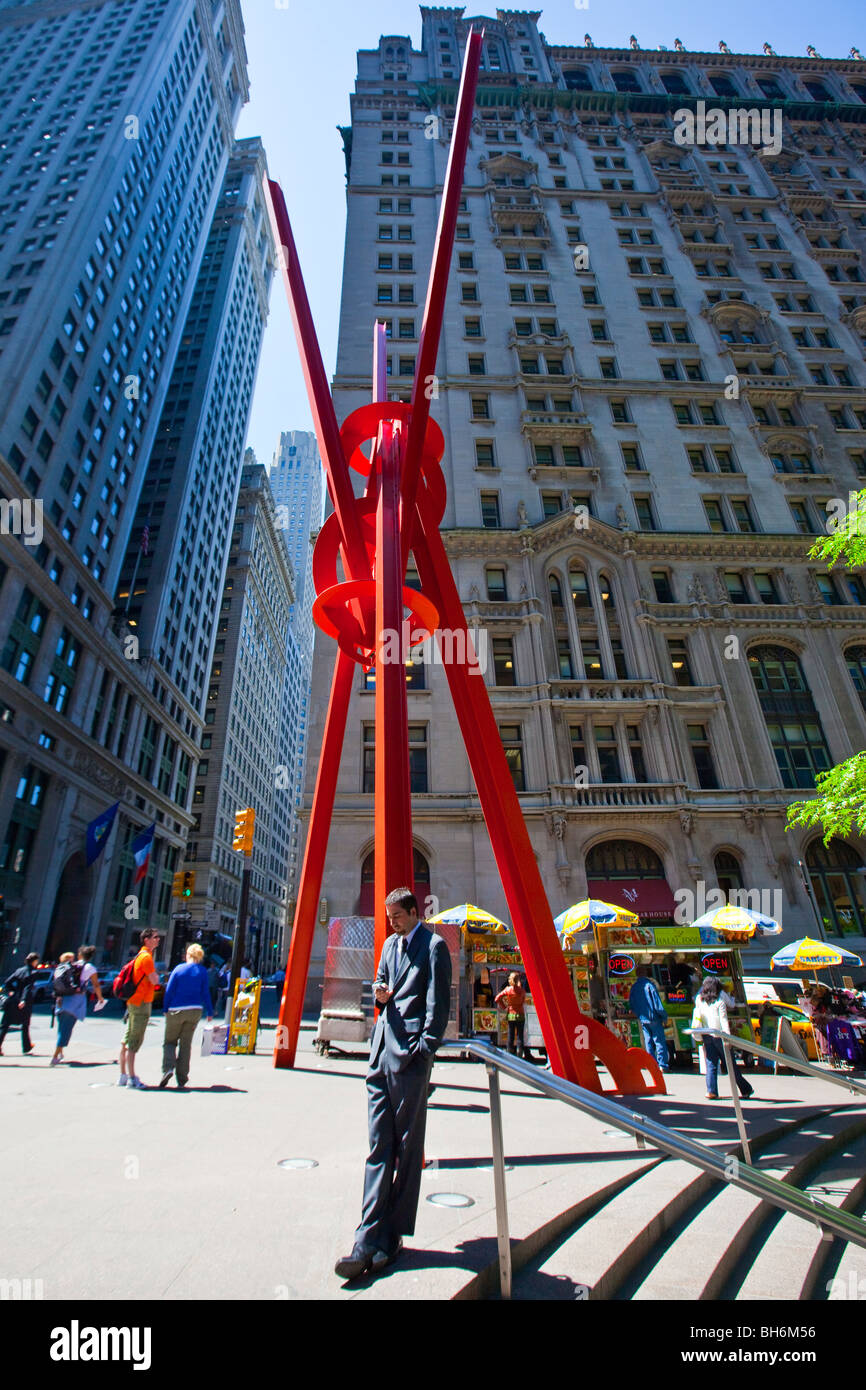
point(678, 959)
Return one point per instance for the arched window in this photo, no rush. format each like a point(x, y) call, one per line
point(838, 887)
point(623, 859)
point(421, 873)
point(728, 873)
point(792, 720)
point(555, 591)
point(606, 590)
point(578, 80)
point(625, 80)
point(675, 84)
point(723, 86)
point(817, 91)
point(579, 587)
point(855, 658)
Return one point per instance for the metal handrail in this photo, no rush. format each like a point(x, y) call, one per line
point(737, 1044)
point(808, 1068)
point(676, 1145)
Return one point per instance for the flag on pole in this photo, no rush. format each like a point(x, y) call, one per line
point(98, 831)
point(141, 847)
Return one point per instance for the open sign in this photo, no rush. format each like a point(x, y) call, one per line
point(715, 963)
point(620, 965)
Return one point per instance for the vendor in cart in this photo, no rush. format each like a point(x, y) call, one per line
point(512, 1000)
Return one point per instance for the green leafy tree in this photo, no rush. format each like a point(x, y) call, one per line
point(840, 804)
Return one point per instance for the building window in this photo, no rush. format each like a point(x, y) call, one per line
point(855, 658)
point(836, 874)
point(679, 658)
point(793, 723)
point(702, 755)
point(503, 661)
point(496, 589)
point(490, 515)
point(645, 514)
point(512, 743)
point(608, 754)
point(635, 747)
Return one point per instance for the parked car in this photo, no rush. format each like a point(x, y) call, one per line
point(163, 971)
point(800, 1022)
point(43, 989)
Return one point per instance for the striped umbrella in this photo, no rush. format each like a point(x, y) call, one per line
point(738, 923)
point(590, 912)
point(470, 918)
point(808, 954)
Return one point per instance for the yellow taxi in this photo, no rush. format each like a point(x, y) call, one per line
point(799, 1020)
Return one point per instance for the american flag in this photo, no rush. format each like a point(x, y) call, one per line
point(145, 539)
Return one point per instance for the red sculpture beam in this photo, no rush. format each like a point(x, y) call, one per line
point(401, 511)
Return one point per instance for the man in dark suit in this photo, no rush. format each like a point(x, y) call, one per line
point(413, 991)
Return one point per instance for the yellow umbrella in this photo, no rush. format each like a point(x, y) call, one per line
point(808, 954)
point(470, 919)
point(589, 912)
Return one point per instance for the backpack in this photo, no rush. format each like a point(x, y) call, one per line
point(125, 983)
point(67, 978)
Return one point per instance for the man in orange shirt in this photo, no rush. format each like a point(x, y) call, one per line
point(138, 1008)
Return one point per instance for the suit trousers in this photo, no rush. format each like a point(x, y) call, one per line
point(397, 1115)
point(12, 1017)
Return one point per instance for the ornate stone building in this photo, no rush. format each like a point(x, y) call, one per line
point(652, 387)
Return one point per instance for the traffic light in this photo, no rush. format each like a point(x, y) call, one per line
point(244, 825)
point(177, 886)
point(188, 884)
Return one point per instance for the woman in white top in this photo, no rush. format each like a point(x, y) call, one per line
point(711, 1012)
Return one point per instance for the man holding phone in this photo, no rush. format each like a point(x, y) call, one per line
point(413, 991)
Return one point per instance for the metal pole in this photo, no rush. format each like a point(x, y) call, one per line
point(240, 932)
point(735, 1097)
point(502, 1236)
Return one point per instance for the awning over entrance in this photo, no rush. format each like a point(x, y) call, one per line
point(651, 898)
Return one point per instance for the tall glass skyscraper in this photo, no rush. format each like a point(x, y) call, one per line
point(114, 151)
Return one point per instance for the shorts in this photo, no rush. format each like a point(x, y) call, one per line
point(137, 1016)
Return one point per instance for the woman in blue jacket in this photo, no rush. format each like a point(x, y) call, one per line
point(187, 998)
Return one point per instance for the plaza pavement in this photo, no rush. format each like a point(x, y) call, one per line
point(188, 1182)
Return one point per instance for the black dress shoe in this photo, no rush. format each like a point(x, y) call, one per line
point(382, 1258)
point(351, 1266)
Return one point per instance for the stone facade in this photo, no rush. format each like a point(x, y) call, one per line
point(651, 385)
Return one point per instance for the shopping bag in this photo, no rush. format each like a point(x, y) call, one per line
point(214, 1039)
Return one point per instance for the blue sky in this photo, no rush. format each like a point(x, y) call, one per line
point(302, 63)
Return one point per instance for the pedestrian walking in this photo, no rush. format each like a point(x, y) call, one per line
point(711, 1012)
point(646, 1004)
point(213, 984)
point(187, 997)
point(18, 1002)
point(512, 1000)
point(138, 1008)
point(413, 991)
point(73, 980)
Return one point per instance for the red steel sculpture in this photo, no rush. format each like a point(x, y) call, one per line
point(359, 568)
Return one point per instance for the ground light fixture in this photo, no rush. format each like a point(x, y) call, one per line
point(450, 1199)
point(298, 1163)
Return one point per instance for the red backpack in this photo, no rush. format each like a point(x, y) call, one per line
point(125, 983)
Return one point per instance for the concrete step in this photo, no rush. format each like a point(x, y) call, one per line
point(703, 1247)
point(662, 1236)
point(768, 1276)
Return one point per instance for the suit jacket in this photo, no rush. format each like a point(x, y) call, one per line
point(414, 1020)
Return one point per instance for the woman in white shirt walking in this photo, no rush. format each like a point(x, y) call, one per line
point(711, 1012)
